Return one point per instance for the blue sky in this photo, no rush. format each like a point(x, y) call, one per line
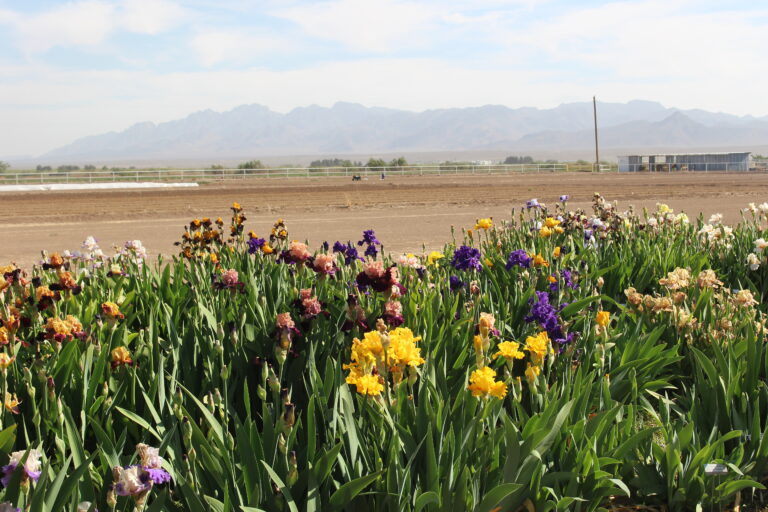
point(80, 67)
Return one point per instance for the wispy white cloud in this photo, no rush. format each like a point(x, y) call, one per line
point(650, 40)
point(82, 23)
point(88, 23)
point(365, 25)
point(238, 46)
point(151, 16)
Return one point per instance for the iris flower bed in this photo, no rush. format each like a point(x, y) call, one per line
point(558, 360)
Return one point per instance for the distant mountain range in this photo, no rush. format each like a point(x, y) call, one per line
point(349, 128)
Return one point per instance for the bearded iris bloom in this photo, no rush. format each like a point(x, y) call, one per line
point(228, 280)
point(5, 359)
point(137, 480)
point(483, 383)
point(30, 469)
point(111, 311)
point(518, 258)
point(255, 245)
point(348, 251)
point(121, 357)
point(546, 316)
point(484, 223)
point(371, 243)
point(466, 258)
point(455, 283)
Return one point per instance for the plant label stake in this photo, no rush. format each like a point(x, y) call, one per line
point(716, 470)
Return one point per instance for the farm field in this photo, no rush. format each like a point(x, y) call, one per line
point(407, 212)
point(577, 355)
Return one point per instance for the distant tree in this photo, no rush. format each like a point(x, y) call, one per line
point(43, 168)
point(398, 162)
point(334, 162)
point(376, 162)
point(4, 166)
point(518, 160)
point(251, 164)
point(216, 167)
point(103, 167)
point(89, 167)
point(67, 168)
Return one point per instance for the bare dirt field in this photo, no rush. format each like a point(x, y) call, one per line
point(408, 213)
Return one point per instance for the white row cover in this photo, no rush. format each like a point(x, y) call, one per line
point(91, 186)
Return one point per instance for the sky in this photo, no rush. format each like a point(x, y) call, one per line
point(69, 69)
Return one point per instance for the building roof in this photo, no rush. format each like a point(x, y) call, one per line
point(692, 154)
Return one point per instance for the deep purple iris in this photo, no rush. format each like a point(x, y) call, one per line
point(564, 198)
point(518, 258)
point(255, 245)
point(455, 283)
point(567, 276)
point(370, 241)
point(371, 251)
point(349, 252)
point(466, 258)
point(546, 316)
point(369, 237)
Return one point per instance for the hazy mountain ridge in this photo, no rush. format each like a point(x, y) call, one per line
point(255, 130)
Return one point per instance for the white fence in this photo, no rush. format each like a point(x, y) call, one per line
point(206, 175)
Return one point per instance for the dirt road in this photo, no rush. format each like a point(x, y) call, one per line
point(408, 213)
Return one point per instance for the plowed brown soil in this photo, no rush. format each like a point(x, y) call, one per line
point(408, 213)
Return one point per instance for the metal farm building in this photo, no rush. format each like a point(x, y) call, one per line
point(685, 162)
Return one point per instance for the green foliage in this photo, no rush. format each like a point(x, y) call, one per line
point(251, 164)
point(518, 160)
point(335, 162)
point(627, 412)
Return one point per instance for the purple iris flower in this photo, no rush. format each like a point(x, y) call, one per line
point(519, 258)
point(255, 244)
point(348, 251)
point(455, 283)
point(564, 198)
point(533, 203)
point(369, 237)
point(30, 469)
point(546, 316)
point(371, 251)
point(370, 241)
point(567, 276)
point(136, 479)
point(466, 258)
point(158, 476)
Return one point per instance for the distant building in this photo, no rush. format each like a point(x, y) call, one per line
point(685, 162)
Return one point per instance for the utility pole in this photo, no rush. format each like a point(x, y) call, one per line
point(597, 153)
